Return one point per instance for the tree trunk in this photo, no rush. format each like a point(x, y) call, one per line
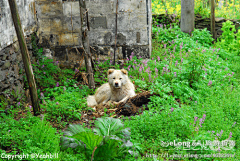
point(85, 41)
point(213, 19)
point(187, 16)
point(25, 56)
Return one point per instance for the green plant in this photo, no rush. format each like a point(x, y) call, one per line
point(109, 139)
point(229, 40)
point(28, 135)
point(48, 74)
point(187, 75)
point(46, 71)
point(64, 103)
point(203, 37)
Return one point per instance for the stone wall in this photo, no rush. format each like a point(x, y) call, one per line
point(59, 27)
point(200, 22)
point(11, 65)
point(12, 71)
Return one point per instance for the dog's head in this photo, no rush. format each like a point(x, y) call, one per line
point(117, 78)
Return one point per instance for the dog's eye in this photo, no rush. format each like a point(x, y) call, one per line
point(113, 78)
point(120, 78)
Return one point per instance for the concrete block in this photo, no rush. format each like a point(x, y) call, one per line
point(98, 22)
point(137, 21)
point(100, 7)
point(108, 38)
point(71, 24)
point(71, 9)
point(49, 9)
point(100, 37)
point(123, 22)
point(121, 39)
point(44, 25)
point(133, 6)
point(56, 25)
point(49, 0)
point(69, 39)
point(132, 22)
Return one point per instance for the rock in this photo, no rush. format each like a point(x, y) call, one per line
point(13, 57)
point(219, 19)
point(1, 63)
point(29, 46)
point(16, 71)
point(16, 47)
point(6, 65)
point(11, 80)
point(4, 57)
point(4, 86)
point(2, 75)
point(2, 52)
point(47, 53)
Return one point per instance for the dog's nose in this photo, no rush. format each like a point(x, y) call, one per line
point(116, 84)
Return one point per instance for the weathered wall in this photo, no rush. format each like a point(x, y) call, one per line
point(59, 27)
point(7, 30)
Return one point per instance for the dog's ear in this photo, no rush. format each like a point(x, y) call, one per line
point(110, 71)
point(124, 71)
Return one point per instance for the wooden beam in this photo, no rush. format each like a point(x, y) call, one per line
point(25, 56)
point(85, 43)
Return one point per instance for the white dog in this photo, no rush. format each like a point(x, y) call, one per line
point(118, 89)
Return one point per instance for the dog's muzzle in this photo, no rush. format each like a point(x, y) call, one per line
point(116, 85)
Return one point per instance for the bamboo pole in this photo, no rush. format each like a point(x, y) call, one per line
point(25, 56)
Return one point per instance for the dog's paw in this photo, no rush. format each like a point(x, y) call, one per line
point(114, 102)
point(109, 103)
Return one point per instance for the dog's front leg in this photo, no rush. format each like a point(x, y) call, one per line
point(123, 100)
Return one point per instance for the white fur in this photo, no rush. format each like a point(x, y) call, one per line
point(118, 89)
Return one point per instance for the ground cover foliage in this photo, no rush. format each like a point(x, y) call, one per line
point(196, 98)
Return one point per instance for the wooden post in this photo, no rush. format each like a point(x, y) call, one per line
point(25, 56)
point(115, 34)
point(213, 19)
point(85, 41)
